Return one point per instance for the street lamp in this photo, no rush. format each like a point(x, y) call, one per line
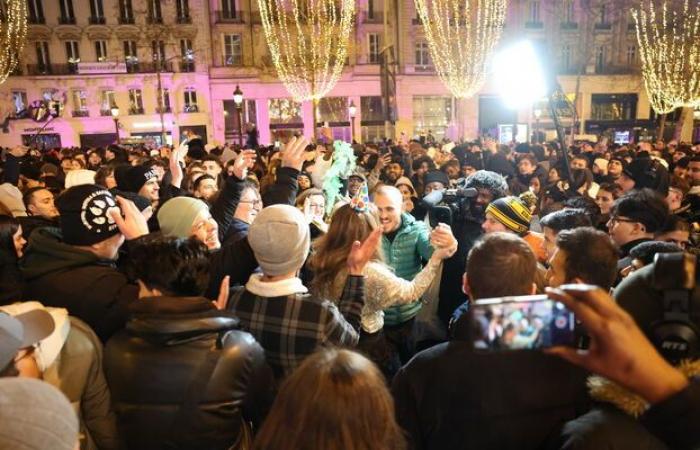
point(353, 110)
point(538, 114)
point(115, 116)
point(238, 100)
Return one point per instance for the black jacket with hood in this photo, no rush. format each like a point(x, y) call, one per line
point(61, 275)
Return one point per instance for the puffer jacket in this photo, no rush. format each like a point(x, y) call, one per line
point(406, 254)
point(183, 376)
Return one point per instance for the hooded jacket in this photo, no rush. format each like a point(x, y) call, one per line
point(183, 376)
point(61, 275)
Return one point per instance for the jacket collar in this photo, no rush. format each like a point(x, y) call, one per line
point(176, 320)
point(281, 288)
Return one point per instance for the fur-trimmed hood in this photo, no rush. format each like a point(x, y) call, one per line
point(604, 390)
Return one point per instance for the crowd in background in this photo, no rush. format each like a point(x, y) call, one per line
point(320, 295)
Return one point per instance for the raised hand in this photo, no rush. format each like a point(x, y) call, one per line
point(244, 160)
point(618, 350)
point(293, 153)
point(133, 225)
point(362, 253)
point(222, 300)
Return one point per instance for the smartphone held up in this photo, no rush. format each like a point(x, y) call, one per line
point(524, 322)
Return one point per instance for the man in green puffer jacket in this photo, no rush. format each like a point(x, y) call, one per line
point(406, 245)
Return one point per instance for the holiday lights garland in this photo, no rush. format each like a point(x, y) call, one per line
point(669, 47)
point(461, 36)
point(308, 42)
point(13, 35)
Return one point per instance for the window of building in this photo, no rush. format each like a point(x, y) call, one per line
point(35, 11)
point(191, 100)
point(67, 15)
point(631, 55)
point(370, 9)
point(97, 11)
point(135, 101)
point(107, 101)
point(373, 50)
point(534, 13)
point(154, 12)
point(72, 52)
point(248, 117)
point(614, 106)
point(600, 58)
point(19, 99)
point(101, 51)
point(233, 53)
point(228, 9)
point(164, 101)
point(423, 60)
point(158, 51)
point(183, 10)
point(371, 118)
point(569, 11)
point(187, 55)
point(566, 57)
point(42, 55)
point(603, 14)
point(80, 106)
point(333, 110)
point(431, 114)
point(126, 11)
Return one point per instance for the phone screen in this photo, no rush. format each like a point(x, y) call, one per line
point(524, 322)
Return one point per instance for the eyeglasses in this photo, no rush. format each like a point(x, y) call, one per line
point(256, 202)
point(618, 220)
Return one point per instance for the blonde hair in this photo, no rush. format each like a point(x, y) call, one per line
point(335, 400)
point(332, 249)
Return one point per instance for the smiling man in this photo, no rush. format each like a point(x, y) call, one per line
point(406, 244)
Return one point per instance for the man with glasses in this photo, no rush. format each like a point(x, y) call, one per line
point(635, 218)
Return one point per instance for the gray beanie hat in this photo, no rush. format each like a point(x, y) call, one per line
point(177, 215)
point(279, 237)
point(35, 416)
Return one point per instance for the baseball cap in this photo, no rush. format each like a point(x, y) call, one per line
point(22, 330)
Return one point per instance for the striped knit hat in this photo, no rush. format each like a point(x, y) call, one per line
point(512, 213)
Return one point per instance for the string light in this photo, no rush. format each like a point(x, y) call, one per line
point(308, 42)
point(669, 48)
point(461, 35)
point(13, 35)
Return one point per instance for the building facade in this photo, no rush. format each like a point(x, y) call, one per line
point(92, 55)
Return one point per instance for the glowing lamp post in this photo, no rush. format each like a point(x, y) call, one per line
point(115, 116)
point(352, 109)
point(238, 100)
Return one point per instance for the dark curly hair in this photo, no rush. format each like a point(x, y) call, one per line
point(176, 267)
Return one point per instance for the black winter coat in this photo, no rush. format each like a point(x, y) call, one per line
point(449, 397)
point(58, 274)
point(183, 376)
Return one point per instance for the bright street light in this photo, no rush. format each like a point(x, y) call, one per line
point(518, 75)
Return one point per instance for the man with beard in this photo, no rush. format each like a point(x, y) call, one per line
point(392, 172)
point(489, 186)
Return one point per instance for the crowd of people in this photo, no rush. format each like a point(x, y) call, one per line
point(322, 296)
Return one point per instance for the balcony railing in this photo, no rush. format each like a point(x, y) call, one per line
point(126, 20)
point(187, 67)
point(155, 19)
point(32, 20)
point(66, 20)
point(534, 25)
point(191, 109)
point(81, 113)
point(603, 26)
point(183, 19)
point(569, 26)
point(105, 112)
point(229, 17)
point(166, 110)
point(134, 111)
point(97, 20)
point(149, 67)
point(424, 68)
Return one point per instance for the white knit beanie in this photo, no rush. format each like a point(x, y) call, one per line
point(78, 177)
point(177, 216)
point(280, 239)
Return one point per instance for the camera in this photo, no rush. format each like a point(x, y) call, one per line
point(453, 207)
